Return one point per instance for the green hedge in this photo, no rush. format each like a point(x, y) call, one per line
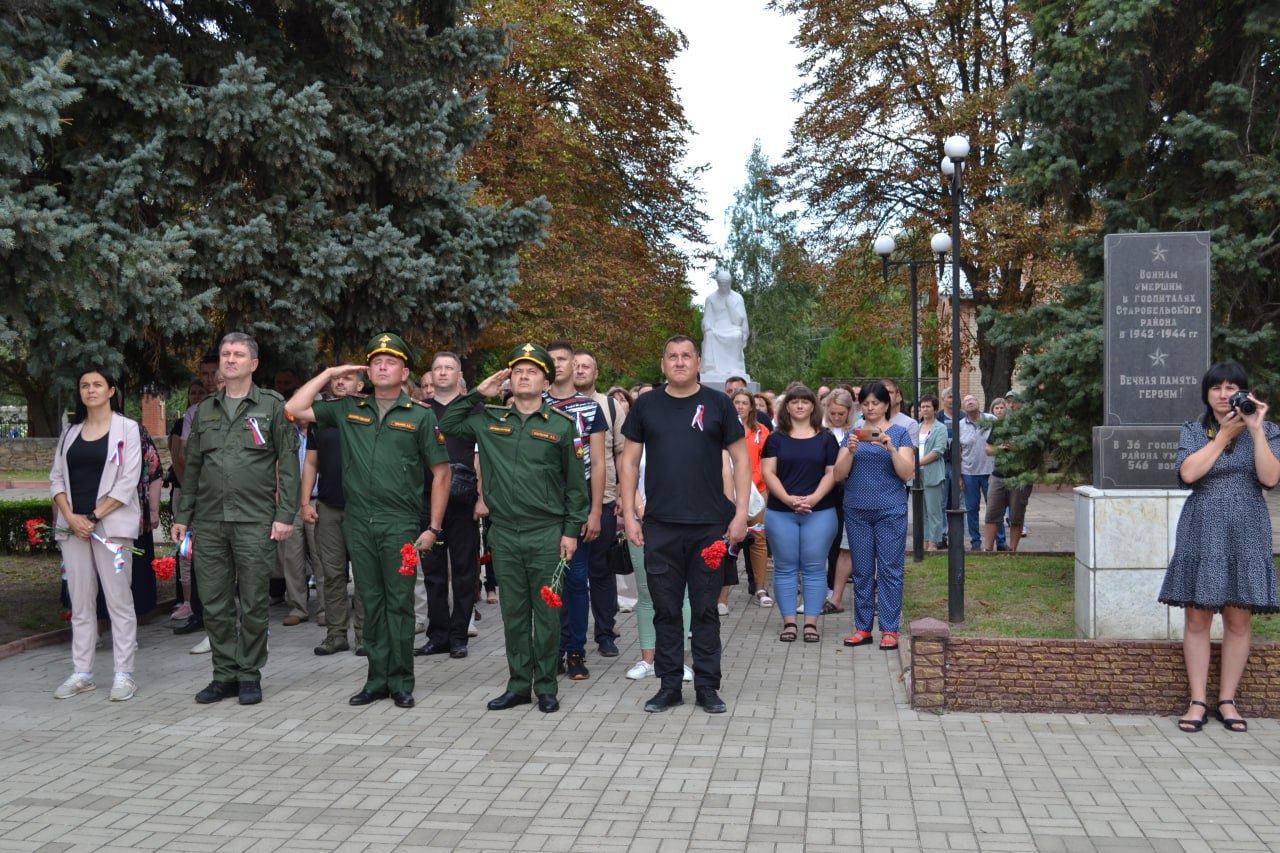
point(13, 525)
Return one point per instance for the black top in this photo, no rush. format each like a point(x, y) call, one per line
point(801, 464)
point(461, 451)
point(683, 438)
point(328, 447)
point(85, 461)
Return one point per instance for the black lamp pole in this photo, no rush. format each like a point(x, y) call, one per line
point(884, 246)
point(957, 149)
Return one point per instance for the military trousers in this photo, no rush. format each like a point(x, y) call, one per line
point(373, 545)
point(331, 551)
point(525, 559)
point(235, 558)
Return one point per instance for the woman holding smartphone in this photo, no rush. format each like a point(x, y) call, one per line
point(877, 459)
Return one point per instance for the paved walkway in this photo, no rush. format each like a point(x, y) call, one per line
point(818, 752)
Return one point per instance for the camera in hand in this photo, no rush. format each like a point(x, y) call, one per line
point(1241, 402)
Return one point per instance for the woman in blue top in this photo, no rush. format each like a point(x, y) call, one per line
point(800, 516)
point(877, 459)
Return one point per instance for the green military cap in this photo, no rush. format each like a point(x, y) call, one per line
point(534, 353)
point(391, 344)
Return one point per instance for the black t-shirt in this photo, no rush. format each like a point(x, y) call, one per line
point(328, 447)
point(683, 438)
point(801, 465)
point(85, 461)
point(461, 451)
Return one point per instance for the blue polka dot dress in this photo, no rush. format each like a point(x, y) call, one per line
point(1222, 555)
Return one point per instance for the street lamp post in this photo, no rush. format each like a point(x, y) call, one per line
point(956, 149)
point(884, 246)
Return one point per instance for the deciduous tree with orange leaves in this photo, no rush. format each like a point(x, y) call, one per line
point(883, 85)
point(585, 114)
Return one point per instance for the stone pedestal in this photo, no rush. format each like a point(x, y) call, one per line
point(717, 380)
point(1124, 539)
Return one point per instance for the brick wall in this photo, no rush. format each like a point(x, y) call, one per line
point(1076, 676)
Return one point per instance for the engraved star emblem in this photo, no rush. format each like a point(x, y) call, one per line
point(1159, 253)
point(384, 340)
point(1158, 358)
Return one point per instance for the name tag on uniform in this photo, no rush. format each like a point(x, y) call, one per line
point(545, 436)
point(405, 425)
point(360, 419)
point(500, 429)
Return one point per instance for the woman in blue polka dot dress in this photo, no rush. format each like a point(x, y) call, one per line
point(876, 461)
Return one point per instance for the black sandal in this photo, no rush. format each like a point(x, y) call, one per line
point(811, 634)
point(1193, 726)
point(1231, 724)
point(788, 634)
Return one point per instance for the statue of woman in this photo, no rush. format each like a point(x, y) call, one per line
point(724, 329)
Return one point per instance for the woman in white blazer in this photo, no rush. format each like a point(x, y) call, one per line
point(94, 480)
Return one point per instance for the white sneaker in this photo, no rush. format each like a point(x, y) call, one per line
point(688, 674)
point(202, 647)
point(800, 607)
point(722, 609)
point(123, 688)
point(472, 630)
point(762, 598)
point(73, 685)
point(642, 669)
point(419, 628)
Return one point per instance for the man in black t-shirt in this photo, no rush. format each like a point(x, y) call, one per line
point(683, 428)
point(458, 556)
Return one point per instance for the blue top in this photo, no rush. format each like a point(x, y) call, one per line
point(802, 462)
point(872, 482)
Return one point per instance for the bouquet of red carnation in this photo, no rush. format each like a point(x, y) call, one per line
point(39, 532)
point(713, 555)
point(408, 559)
point(164, 567)
point(551, 592)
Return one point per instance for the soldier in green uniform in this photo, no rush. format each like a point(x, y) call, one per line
point(535, 487)
point(241, 491)
point(387, 442)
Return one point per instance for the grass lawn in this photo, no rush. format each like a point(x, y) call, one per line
point(24, 474)
point(1012, 595)
point(29, 589)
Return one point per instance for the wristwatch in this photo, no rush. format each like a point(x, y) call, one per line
point(93, 517)
point(436, 530)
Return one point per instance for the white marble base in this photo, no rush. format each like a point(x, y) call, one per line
point(1124, 539)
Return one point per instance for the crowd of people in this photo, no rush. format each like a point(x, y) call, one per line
point(412, 489)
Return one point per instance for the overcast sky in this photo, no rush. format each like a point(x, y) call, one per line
point(735, 81)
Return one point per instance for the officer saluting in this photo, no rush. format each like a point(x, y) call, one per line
point(387, 440)
point(535, 488)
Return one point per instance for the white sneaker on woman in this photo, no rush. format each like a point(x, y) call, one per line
point(722, 609)
point(202, 647)
point(73, 685)
point(123, 687)
point(642, 669)
point(688, 674)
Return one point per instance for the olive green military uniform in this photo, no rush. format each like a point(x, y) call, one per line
point(242, 475)
point(535, 488)
point(383, 462)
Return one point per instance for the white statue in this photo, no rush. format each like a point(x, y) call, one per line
point(724, 330)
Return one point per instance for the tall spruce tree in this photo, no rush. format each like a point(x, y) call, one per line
point(769, 266)
point(284, 168)
point(1150, 116)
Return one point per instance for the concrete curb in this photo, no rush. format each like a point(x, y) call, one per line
point(52, 638)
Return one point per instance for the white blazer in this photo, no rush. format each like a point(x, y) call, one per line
point(120, 477)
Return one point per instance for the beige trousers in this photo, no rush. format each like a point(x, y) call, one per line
point(88, 564)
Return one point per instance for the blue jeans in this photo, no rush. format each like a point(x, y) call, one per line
point(975, 491)
point(577, 602)
point(800, 542)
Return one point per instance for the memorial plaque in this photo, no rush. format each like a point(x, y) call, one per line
point(1157, 327)
point(1139, 457)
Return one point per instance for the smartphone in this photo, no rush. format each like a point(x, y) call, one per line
point(866, 433)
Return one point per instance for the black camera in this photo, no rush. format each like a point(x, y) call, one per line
point(1241, 402)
